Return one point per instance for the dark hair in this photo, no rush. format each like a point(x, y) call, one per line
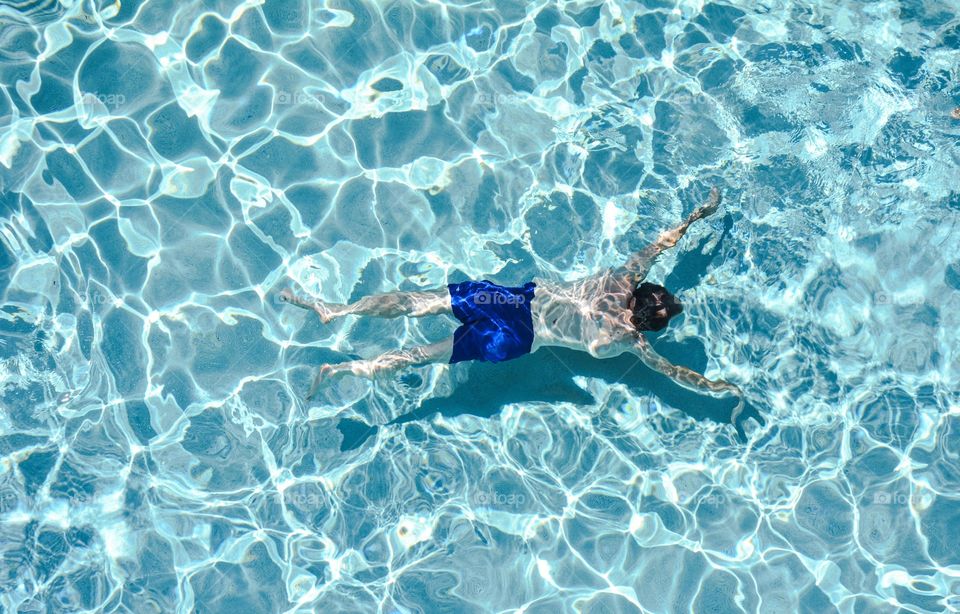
point(648, 300)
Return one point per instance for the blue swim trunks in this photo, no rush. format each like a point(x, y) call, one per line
point(497, 324)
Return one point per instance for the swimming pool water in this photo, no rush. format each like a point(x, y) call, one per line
point(167, 167)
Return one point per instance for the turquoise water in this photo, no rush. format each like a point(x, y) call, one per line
point(167, 167)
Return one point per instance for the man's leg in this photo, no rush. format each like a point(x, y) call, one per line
point(385, 363)
point(389, 305)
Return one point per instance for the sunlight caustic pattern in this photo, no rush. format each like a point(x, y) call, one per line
point(167, 167)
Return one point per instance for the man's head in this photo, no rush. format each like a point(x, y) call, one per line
point(652, 307)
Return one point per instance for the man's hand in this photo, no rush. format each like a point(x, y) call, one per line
point(726, 387)
point(710, 207)
point(735, 415)
point(327, 374)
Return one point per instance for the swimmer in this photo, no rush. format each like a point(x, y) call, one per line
point(605, 315)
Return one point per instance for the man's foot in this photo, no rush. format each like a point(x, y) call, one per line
point(324, 310)
point(325, 375)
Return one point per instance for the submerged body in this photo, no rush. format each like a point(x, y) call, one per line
point(501, 323)
point(603, 314)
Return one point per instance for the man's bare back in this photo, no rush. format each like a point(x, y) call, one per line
point(589, 314)
point(600, 314)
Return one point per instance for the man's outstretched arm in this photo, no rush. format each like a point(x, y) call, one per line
point(639, 263)
point(688, 378)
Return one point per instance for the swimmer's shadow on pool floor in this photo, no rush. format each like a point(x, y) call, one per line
point(548, 377)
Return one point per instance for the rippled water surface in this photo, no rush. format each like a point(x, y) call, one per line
point(167, 167)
